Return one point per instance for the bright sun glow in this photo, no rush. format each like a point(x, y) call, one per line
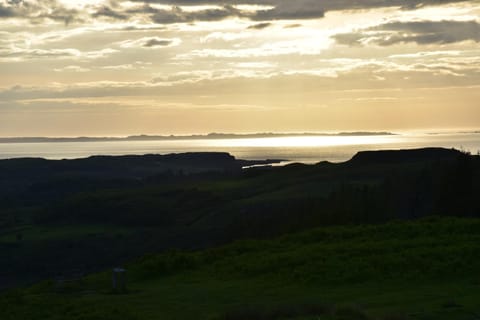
point(81, 4)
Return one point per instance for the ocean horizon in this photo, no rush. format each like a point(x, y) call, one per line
point(302, 148)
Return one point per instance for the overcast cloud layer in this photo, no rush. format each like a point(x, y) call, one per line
point(118, 67)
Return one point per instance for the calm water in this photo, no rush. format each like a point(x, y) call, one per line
point(307, 149)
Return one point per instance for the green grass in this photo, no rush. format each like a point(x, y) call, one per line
point(427, 269)
point(35, 233)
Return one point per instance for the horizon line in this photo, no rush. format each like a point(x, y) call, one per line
point(220, 135)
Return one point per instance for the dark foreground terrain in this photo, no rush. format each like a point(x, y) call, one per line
point(386, 235)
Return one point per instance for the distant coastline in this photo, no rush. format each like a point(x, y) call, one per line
point(213, 136)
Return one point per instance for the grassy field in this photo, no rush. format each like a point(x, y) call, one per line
point(425, 269)
point(35, 234)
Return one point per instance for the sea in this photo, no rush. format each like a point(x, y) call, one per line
point(304, 149)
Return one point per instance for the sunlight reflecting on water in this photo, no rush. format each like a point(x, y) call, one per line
point(305, 141)
point(306, 149)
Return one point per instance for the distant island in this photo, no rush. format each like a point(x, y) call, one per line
point(455, 132)
point(184, 137)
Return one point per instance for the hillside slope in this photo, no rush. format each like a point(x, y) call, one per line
point(427, 269)
point(87, 220)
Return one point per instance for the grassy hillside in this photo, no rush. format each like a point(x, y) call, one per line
point(424, 269)
point(85, 217)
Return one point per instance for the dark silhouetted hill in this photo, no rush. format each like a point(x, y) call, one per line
point(91, 213)
point(404, 156)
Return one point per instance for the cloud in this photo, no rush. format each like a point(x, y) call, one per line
point(280, 10)
point(38, 11)
point(109, 13)
point(260, 26)
point(331, 5)
point(6, 12)
point(177, 14)
point(264, 10)
point(351, 38)
point(283, 9)
point(299, 46)
point(21, 54)
point(327, 4)
point(150, 42)
point(225, 81)
point(128, 66)
point(26, 54)
point(427, 32)
point(292, 10)
point(155, 42)
point(71, 69)
point(224, 36)
point(420, 32)
point(426, 54)
point(294, 25)
point(254, 65)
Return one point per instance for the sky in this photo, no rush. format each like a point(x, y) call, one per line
point(114, 67)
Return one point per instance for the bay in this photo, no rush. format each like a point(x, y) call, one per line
point(305, 149)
